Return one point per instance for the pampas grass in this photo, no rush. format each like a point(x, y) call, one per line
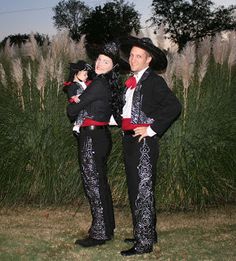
point(203, 55)
point(62, 46)
point(31, 49)
point(18, 78)
point(232, 53)
point(59, 76)
point(187, 62)
point(41, 81)
point(9, 51)
point(38, 157)
point(220, 49)
point(3, 76)
point(202, 69)
point(232, 50)
point(28, 73)
point(169, 74)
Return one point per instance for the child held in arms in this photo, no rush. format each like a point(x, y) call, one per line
point(76, 84)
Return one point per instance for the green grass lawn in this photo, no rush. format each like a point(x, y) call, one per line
point(49, 234)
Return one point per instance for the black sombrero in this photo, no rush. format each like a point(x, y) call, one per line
point(111, 49)
point(159, 60)
point(74, 68)
point(80, 66)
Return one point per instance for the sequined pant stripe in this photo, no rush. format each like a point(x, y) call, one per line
point(140, 163)
point(94, 148)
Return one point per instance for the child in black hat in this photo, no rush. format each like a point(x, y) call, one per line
point(76, 84)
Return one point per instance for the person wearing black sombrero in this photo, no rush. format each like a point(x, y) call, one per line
point(94, 144)
point(150, 108)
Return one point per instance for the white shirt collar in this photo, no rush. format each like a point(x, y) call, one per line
point(83, 84)
point(140, 74)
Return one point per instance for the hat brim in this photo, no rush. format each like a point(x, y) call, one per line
point(123, 66)
point(74, 67)
point(159, 61)
point(120, 63)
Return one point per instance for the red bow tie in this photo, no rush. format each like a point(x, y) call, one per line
point(131, 82)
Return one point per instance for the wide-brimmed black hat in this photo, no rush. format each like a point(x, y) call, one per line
point(74, 68)
point(81, 65)
point(159, 60)
point(111, 49)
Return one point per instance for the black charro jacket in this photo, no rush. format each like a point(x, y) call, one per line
point(157, 102)
point(96, 100)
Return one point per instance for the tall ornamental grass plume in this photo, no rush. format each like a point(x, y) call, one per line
point(2, 76)
point(31, 49)
point(62, 46)
point(232, 52)
point(220, 49)
point(41, 82)
point(169, 74)
point(18, 80)
point(9, 51)
point(187, 62)
point(203, 57)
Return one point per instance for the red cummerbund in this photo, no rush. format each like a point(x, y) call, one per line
point(127, 125)
point(89, 122)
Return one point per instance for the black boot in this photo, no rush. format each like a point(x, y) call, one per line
point(133, 251)
point(89, 242)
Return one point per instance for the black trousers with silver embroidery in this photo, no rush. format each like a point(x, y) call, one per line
point(94, 147)
point(140, 166)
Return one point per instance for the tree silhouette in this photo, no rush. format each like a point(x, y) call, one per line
point(107, 23)
point(69, 15)
point(19, 39)
point(189, 21)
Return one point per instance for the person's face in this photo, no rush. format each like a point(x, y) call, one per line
point(139, 59)
point(82, 75)
point(103, 64)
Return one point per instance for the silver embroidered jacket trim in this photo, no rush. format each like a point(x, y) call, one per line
point(137, 115)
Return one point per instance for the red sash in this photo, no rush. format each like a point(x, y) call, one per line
point(89, 122)
point(127, 125)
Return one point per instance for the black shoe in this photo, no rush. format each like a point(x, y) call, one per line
point(132, 240)
point(132, 251)
point(89, 242)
